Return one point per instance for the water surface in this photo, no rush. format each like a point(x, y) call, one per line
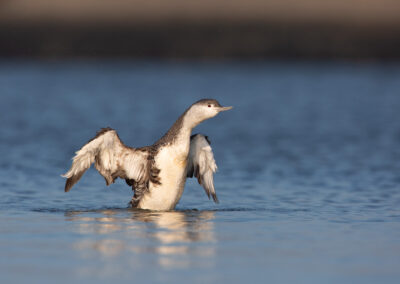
point(308, 181)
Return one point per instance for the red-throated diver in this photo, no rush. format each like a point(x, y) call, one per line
point(157, 173)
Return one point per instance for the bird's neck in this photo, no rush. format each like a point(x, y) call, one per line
point(180, 131)
point(190, 119)
point(185, 125)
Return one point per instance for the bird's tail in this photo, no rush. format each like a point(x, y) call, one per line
point(83, 159)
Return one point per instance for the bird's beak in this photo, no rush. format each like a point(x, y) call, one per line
point(224, 108)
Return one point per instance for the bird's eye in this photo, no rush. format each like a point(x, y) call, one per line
point(209, 105)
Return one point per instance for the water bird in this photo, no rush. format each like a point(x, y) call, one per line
point(156, 173)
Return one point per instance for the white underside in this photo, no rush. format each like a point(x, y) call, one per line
point(172, 162)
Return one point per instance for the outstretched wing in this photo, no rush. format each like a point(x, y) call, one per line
point(112, 159)
point(201, 164)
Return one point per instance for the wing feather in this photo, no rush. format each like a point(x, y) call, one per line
point(111, 158)
point(201, 164)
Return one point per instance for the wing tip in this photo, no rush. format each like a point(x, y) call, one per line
point(68, 185)
point(72, 180)
point(215, 198)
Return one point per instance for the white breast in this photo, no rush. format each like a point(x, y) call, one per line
point(172, 163)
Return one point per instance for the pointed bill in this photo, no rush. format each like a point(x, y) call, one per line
point(225, 108)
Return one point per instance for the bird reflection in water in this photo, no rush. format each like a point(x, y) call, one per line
point(178, 239)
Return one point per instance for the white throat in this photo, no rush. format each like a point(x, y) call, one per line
point(194, 116)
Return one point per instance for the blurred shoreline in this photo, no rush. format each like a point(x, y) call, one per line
point(182, 40)
point(303, 29)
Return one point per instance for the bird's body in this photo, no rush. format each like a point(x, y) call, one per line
point(166, 195)
point(157, 173)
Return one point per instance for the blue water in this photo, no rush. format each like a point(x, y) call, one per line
point(308, 180)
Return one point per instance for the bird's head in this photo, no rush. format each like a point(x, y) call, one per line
point(205, 109)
